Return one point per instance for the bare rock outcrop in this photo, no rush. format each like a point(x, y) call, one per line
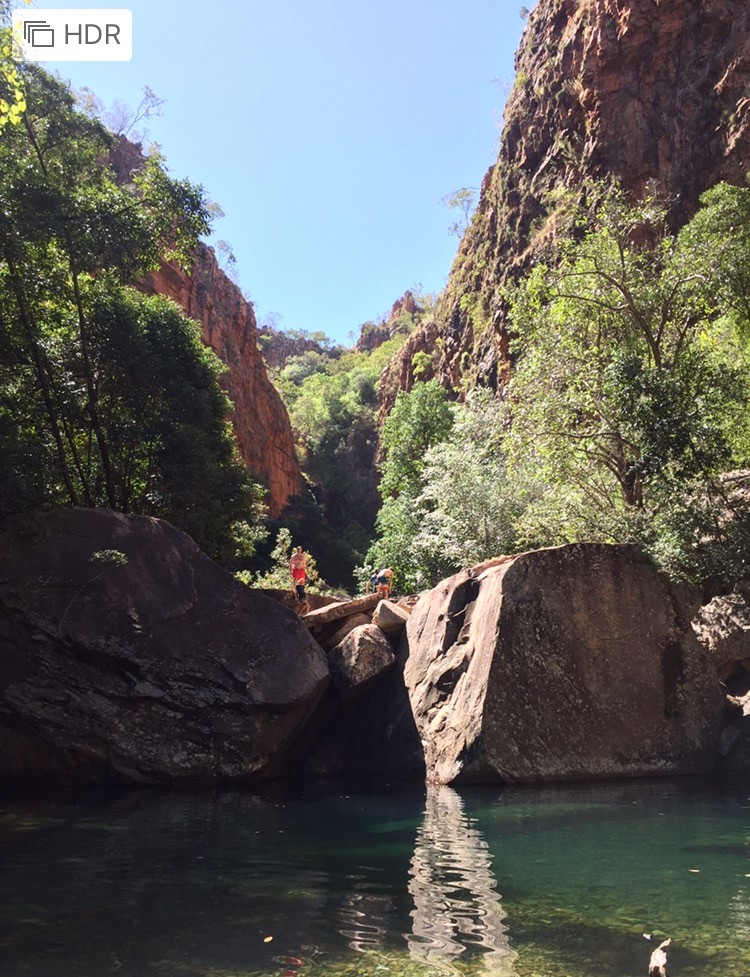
point(390, 618)
point(571, 662)
point(260, 420)
point(652, 92)
point(723, 626)
point(335, 632)
point(128, 656)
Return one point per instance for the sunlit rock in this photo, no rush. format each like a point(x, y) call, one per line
point(572, 662)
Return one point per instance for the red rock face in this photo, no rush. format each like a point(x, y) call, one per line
point(260, 419)
point(654, 92)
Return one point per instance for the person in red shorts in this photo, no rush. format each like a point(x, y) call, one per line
point(298, 570)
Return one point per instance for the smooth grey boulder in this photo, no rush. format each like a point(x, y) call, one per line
point(574, 662)
point(159, 669)
point(362, 657)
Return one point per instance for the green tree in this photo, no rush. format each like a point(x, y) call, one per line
point(106, 397)
point(462, 200)
point(418, 420)
point(12, 89)
point(471, 507)
point(623, 398)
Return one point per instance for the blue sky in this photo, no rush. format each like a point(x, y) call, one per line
point(328, 132)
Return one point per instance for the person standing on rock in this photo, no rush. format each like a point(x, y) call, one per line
point(298, 570)
point(372, 583)
point(385, 582)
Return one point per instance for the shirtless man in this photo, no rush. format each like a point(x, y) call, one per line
point(385, 582)
point(298, 570)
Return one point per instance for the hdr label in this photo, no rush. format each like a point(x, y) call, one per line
point(73, 35)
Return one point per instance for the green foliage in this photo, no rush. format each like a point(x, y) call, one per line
point(332, 402)
point(419, 419)
point(12, 88)
point(279, 576)
point(626, 409)
point(462, 200)
point(111, 557)
point(625, 397)
point(471, 507)
point(421, 362)
point(106, 397)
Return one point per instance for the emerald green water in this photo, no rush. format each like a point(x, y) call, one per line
point(305, 884)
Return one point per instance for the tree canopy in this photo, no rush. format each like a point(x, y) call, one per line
point(106, 397)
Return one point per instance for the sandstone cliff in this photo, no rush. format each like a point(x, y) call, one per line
point(278, 346)
point(400, 320)
point(260, 419)
point(654, 92)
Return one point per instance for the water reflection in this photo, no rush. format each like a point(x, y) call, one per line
point(456, 902)
point(366, 921)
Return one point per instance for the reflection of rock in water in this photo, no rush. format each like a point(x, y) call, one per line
point(365, 919)
point(456, 903)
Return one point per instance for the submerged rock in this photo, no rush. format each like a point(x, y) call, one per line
point(130, 656)
point(572, 662)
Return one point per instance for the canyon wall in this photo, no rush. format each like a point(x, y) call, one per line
point(260, 420)
point(205, 293)
point(653, 92)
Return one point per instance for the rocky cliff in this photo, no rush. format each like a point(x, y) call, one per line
point(260, 419)
point(278, 346)
point(401, 320)
point(653, 92)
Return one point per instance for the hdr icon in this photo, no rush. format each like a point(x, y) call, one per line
point(92, 34)
point(73, 35)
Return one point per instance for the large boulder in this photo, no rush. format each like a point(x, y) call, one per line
point(390, 618)
point(572, 662)
point(335, 632)
point(363, 656)
point(723, 627)
point(146, 663)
